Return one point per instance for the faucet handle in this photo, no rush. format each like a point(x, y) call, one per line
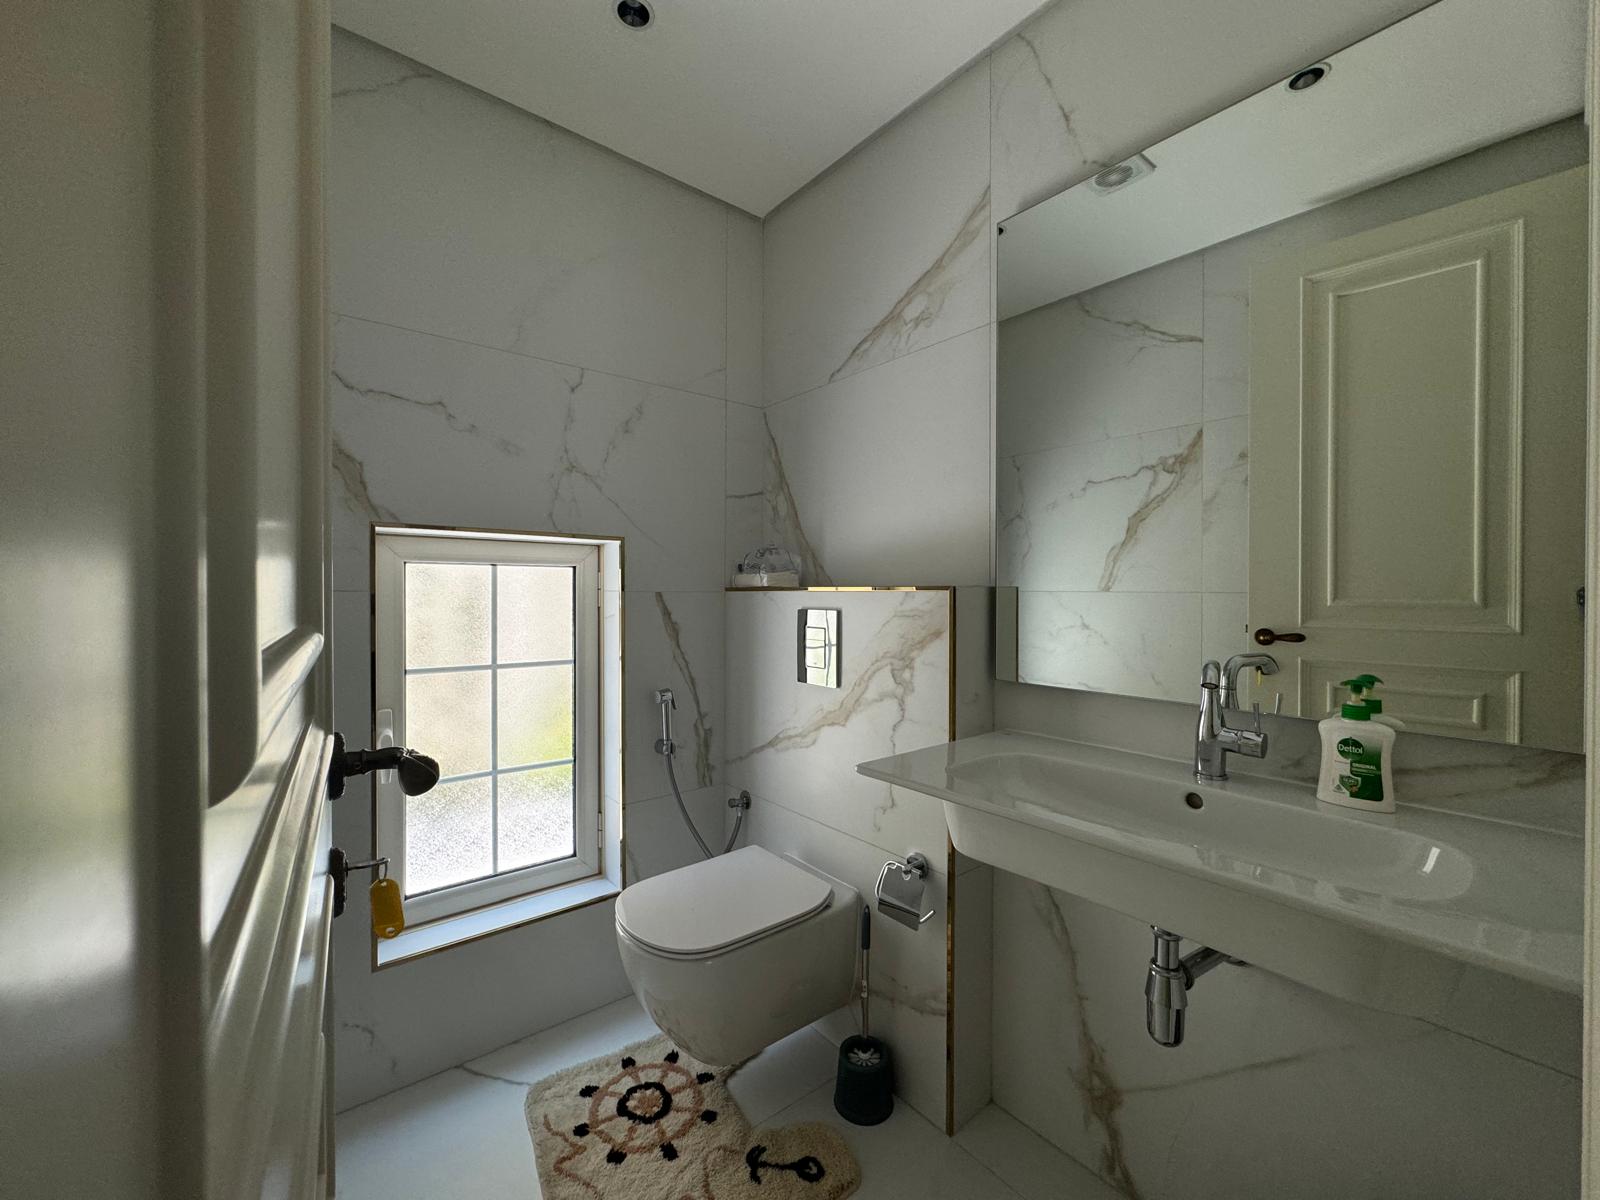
point(1255, 709)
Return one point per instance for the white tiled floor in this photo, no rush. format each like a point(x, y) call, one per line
point(461, 1135)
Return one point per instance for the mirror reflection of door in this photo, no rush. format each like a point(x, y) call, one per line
point(1416, 464)
point(1290, 375)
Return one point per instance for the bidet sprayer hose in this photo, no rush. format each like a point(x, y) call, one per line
point(667, 749)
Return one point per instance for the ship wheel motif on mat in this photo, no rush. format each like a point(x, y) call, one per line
point(644, 1107)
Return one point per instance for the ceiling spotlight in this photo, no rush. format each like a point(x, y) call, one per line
point(1308, 77)
point(1121, 174)
point(635, 14)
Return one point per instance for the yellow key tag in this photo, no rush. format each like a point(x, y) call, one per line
point(388, 911)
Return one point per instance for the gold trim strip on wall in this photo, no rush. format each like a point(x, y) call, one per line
point(950, 906)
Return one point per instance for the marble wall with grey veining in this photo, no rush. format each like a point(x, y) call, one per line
point(1122, 439)
point(1120, 507)
point(878, 305)
point(795, 747)
point(1285, 1092)
point(1278, 1090)
point(533, 333)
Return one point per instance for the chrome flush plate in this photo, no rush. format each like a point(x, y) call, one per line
point(818, 647)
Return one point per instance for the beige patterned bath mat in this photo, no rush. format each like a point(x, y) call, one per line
point(650, 1123)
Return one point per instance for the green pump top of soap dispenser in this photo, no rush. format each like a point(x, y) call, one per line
point(1369, 695)
point(1360, 707)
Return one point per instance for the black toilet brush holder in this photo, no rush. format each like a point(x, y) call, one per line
point(863, 1093)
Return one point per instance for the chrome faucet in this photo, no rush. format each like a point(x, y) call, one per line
point(1231, 670)
point(1214, 738)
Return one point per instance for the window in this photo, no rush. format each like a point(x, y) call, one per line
point(486, 656)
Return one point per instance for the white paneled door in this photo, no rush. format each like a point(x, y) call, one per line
point(1417, 464)
point(163, 820)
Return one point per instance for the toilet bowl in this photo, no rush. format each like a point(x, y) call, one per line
point(731, 954)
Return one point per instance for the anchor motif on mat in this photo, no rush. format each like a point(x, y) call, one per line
point(808, 1169)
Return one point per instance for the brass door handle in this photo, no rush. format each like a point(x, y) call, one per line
point(1265, 637)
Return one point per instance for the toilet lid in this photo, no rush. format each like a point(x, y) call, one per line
point(717, 904)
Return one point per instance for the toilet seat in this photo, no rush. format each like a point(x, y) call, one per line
point(725, 902)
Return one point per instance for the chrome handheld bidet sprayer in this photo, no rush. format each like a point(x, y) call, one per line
point(667, 748)
point(664, 698)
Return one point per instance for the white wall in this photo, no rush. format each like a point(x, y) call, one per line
point(874, 456)
point(530, 332)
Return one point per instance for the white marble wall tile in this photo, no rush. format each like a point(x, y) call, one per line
point(657, 840)
point(1087, 84)
point(1436, 1117)
point(431, 430)
point(674, 640)
point(908, 975)
point(797, 744)
point(1521, 1018)
point(1224, 632)
point(1121, 359)
point(1225, 505)
point(421, 1017)
point(1129, 643)
point(582, 320)
point(887, 471)
point(974, 661)
point(972, 1033)
point(453, 213)
point(1120, 515)
point(886, 253)
point(749, 498)
point(744, 308)
point(1265, 1063)
point(1225, 374)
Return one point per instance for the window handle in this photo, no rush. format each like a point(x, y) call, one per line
point(385, 739)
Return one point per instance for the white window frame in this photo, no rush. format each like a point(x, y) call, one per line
point(392, 550)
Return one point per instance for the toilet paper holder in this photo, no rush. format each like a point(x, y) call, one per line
point(899, 890)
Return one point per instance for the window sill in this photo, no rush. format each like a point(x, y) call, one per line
point(484, 922)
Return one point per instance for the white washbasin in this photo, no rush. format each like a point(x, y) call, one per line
point(1379, 909)
point(1234, 833)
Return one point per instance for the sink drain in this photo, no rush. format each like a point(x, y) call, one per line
point(1194, 800)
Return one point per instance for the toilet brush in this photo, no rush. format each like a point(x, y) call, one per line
point(864, 1092)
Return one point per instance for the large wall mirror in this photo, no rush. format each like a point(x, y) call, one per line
point(1314, 369)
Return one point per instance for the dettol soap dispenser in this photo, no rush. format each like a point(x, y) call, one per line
point(1356, 754)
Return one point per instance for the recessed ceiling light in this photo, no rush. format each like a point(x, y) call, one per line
point(635, 14)
point(1308, 77)
point(1121, 174)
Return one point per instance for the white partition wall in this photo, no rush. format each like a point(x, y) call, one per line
point(914, 671)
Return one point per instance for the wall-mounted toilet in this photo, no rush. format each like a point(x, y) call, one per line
point(731, 954)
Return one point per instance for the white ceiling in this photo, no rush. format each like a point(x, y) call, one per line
point(744, 99)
